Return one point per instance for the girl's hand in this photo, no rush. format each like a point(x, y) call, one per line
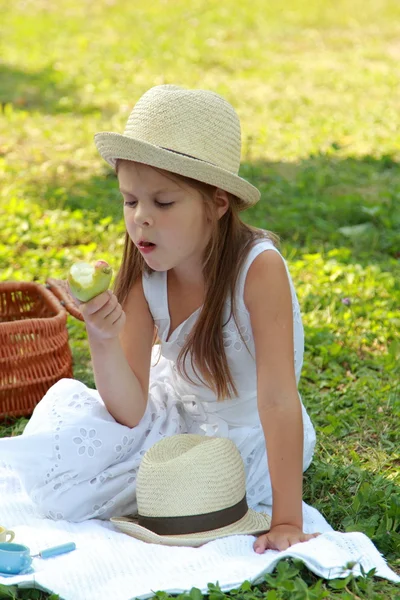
point(281, 537)
point(103, 315)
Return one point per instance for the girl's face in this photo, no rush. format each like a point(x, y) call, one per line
point(171, 215)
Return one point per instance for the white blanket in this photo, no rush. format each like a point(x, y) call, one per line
point(109, 564)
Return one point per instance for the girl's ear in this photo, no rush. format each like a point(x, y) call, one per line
point(221, 199)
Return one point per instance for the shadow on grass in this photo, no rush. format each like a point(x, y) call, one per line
point(308, 202)
point(42, 91)
point(305, 203)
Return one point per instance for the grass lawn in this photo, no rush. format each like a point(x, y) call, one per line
point(316, 85)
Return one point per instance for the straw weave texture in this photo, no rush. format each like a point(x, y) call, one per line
point(185, 475)
point(192, 475)
point(195, 133)
point(189, 125)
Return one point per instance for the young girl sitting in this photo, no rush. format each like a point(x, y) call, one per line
point(218, 295)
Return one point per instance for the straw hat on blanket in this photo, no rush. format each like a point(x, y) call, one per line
point(191, 489)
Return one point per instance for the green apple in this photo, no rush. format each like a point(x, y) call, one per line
point(89, 280)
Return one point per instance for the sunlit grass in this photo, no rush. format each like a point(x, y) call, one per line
point(316, 87)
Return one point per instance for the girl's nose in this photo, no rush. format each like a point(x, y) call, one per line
point(142, 217)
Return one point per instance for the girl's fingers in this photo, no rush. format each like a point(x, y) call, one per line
point(283, 543)
point(109, 308)
point(310, 536)
point(262, 543)
point(121, 316)
point(260, 548)
point(64, 284)
point(114, 314)
point(96, 304)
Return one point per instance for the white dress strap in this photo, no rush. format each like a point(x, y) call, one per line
point(153, 289)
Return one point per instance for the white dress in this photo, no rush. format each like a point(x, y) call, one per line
point(76, 462)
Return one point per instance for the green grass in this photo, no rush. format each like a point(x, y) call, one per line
point(316, 86)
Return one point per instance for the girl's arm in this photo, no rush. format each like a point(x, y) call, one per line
point(120, 345)
point(268, 299)
point(116, 383)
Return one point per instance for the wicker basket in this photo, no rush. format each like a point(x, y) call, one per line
point(34, 348)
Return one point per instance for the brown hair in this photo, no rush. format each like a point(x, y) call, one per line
point(229, 244)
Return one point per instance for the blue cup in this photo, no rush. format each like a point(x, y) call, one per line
point(14, 558)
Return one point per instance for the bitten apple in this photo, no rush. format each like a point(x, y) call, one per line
point(89, 280)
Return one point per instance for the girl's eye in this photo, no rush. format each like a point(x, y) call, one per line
point(132, 203)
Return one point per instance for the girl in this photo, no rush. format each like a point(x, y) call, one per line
point(218, 294)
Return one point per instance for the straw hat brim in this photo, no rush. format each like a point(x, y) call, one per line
point(253, 523)
point(115, 145)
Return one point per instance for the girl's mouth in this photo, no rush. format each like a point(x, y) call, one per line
point(146, 247)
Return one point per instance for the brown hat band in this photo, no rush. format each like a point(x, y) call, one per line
point(187, 156)
point(195, 523)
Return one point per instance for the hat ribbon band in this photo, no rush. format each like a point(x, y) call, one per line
point(195, 523)
point(188, 156)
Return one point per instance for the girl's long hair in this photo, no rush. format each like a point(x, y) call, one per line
point(229, 244)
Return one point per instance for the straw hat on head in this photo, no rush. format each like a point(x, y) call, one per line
point(190, 490)
point(195, 133)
